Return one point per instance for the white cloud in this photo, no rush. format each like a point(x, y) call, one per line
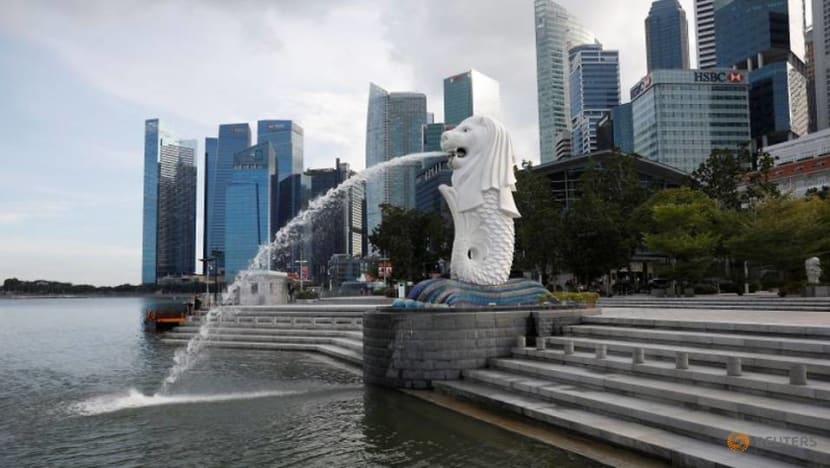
point(199, 64)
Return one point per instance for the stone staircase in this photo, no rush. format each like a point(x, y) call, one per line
point(335, 330)
point(760, 301)
point(675, 389)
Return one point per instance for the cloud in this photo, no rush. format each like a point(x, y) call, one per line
point(197, 64)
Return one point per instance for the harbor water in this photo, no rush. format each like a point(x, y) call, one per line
point(80, 380)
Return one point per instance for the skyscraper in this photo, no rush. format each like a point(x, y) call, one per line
point(557, 31)
point(287, 139)
point(821, 56)
point(340, 229)
point(595, 89)
point(667, 36)
point(766, 38)
point(470, 93)
point(249, 196)
point(810, 73)
point(210, 158)
point(233, 138)
point(393, 128)
point(169, 214)
point(705, 22)
point(680, 116)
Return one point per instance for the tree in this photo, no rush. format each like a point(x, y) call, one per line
point(685, 225)
point(413, 241)
point(782, 233)
point(823, 193)
point(538, 231)
point(599, 232)
point(735, 178)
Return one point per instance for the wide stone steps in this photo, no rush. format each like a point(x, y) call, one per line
point(720, 303)
point(334, 329)
point(225, 336)
point(681, 450)
point(283, 320)
point(755, 383)
point(338, 352)
point(720, 340)
point(778, 329)
point(772, 363)
point(797, 415)
point(271, 331)
point(706, 426)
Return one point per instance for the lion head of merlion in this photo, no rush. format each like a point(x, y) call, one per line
point(482, 158)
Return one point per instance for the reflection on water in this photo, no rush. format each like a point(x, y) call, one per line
point(76, 388)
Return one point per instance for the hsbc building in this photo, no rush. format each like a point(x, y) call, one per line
point(680, 116)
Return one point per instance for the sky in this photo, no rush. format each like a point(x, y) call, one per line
point(79, 77)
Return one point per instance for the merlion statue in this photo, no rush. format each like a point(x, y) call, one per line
point(482, 207)
point(481, 200)
point(813, 267)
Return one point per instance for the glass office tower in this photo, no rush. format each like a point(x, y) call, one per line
point(680, 116)
point(470, 93)
point(249, 196)
point(169, 213)
point(595, 89)
point(557, 31)
point(766, 39)
point(287, 139)
point(667, 36)
point(233, 138)
point(705, 25)
point(393, 128)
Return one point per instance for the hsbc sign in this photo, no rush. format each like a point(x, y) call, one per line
point(719, 77)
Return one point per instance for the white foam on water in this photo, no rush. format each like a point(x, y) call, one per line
point(135, 399)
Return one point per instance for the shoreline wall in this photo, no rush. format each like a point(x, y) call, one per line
point(409, 348)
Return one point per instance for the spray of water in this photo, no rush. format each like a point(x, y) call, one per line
point(185, 357)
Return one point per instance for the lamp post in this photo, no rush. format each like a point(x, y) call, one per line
point(207, 261)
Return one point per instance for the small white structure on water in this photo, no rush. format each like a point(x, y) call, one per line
point(260, 287)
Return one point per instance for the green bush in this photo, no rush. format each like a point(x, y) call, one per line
point(580, 297)
point(308, 294)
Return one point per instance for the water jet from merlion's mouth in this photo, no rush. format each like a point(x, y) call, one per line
point(185, 357)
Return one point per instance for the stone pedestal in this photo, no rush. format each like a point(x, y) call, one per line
point(816, 290)
point(411, 348)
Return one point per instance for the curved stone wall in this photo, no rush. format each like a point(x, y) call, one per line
point(411, 348)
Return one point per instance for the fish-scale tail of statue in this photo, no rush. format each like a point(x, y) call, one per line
point(483, 254)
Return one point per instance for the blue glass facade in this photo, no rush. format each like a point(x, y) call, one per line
point(150, 211)
point(432, 136)
point(427, 197)
point(458, 98)
point(623, 123)
point(595, 89)
point(169, 211)
point(393, 128)
point(745, 28)
point(765, 38)
point(233, 138)
point(248, 199)
point(210, 161)
point(667, 36)
point(287, 139)
point(471, 93)
point(680, 116)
